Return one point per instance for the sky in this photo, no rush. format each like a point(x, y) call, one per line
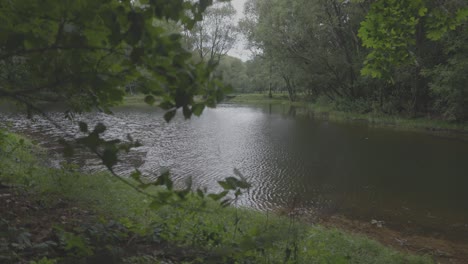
point(239, 6)
point(239, 50)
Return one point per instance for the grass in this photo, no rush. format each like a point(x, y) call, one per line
point(197, 229)
point(134, 100)
point(328, 111)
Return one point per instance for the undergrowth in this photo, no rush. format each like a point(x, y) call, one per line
point(116, 224)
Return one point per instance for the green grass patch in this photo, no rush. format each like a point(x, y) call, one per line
point(201, 229)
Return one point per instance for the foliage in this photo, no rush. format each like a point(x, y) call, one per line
point(310, 45)
point(449, 79)
point(80, 53)
point(388, 56)
point(234, 72)
point(390, 29)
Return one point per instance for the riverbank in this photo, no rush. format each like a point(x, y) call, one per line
point(440, 248)
point(59, 215)
point(328, 111)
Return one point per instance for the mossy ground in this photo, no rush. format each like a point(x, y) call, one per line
point(60, 215)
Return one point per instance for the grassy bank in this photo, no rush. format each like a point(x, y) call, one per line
point(64, 216)
point(328, 110)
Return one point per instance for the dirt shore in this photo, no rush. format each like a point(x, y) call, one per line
point(442, 249)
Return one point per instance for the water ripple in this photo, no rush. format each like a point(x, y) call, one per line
point(290, 162)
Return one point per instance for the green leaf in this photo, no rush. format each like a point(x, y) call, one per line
point(136, 176)
point(68, 150)
point(169, 115)
point(197, 109)
point(186, 111)
point(462, 15)
point(218, 196)
point(164, 180)
point(182, 194)
point(200, 193)
point(422, 11)
point(149, 99)
point(83, 127)
point(100, 128)
point(109, 157)
point(226, 185)
point(226, 202)
point(233, 183)
point(166, 105)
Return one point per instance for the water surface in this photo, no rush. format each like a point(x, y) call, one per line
point(412, 180)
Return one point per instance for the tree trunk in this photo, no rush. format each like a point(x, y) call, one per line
point(290, 87)
point(270, 95)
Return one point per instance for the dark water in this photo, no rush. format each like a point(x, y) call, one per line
point(415, 181)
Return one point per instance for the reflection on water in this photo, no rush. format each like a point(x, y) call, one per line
point(404, 178)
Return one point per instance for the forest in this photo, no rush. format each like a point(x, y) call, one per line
point(396, 57)
point(121, 140)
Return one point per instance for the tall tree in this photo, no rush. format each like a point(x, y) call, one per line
point(215, 35)
point(315, 39)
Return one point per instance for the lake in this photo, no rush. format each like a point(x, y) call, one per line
point(410, 180)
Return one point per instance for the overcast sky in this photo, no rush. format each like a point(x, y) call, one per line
point(239, 6)
point(239, 50)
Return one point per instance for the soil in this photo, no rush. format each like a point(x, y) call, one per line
point(21, 210)
point(442, 249)
point(21, 213)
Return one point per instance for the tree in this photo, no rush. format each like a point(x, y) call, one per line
point(215, 35)
point(389, 56)
point(397, 33)
point(393, 29)
point(314, 39)
point(233, 72)
point(82, 52)
point(448, 79)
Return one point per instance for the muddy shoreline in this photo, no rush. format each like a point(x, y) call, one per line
point(442, 248)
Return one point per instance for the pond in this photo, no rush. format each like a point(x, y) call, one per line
point(410, 180)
